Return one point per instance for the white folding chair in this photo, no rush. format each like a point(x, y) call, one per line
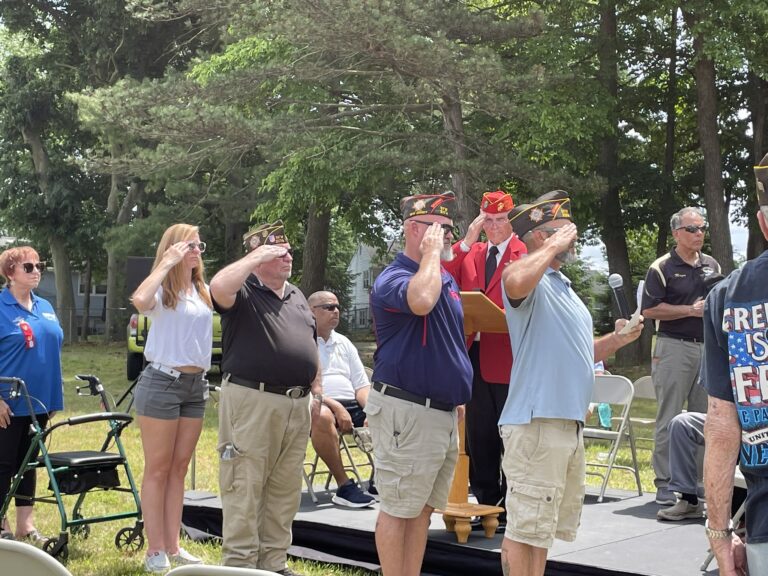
point(738, 482)
point(645, 391)
point(22, 558)
point(618, 392)
point(204, 570)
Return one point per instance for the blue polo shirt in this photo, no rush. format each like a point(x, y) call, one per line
point(425, 355)
point(551, 335)
point(39, 366)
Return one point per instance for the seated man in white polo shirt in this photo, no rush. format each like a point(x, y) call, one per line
point(345, 390)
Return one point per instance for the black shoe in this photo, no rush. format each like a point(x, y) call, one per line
point(288, 572)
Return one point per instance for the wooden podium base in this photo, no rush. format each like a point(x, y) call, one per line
point(457, 516)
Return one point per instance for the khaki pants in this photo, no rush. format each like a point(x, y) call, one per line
point(260, 474)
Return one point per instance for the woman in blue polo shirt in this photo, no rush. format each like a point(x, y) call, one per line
point(30, 349)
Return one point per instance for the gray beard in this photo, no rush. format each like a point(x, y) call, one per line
point(566, 257)
point(446, 254)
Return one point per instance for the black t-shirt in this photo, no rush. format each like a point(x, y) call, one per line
point(267, 339)
point(735, 369)
point(672, 281)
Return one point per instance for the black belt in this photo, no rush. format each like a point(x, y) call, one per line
point(293, 392)
point(683, 338)
point(389, 390)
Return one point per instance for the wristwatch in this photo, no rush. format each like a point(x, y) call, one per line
point(713, 534)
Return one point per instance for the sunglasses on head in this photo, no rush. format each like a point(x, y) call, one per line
point(447, 228)
point(28, 267)
point(199, 245)
point(693, 229)
point(329, 307)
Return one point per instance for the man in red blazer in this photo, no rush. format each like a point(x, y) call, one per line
point(478, 266)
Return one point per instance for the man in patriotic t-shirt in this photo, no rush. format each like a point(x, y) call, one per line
point(735, 374)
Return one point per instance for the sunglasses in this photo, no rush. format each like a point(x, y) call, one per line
point(28, 267)
point(199, 245)
point(329, 307)
point(288, 252)
point(447, 228)
point(691, 229)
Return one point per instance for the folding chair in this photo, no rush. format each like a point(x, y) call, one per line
point(21, 558)
point(738, 482)
point(311, 468)
point(204, 570)
point(644, 390)
point(617, 391)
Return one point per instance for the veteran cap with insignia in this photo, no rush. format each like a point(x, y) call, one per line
point(423, 204)
point(273, 233)
point(496, 202)
point(761, 176)
point(553, 205)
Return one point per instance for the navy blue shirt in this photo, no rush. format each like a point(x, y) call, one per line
point(735, 369)
point(39, 365)
point(425, 355)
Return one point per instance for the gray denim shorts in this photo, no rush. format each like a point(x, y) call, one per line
point(160, 395)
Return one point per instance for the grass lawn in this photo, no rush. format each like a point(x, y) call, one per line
point(98, 556)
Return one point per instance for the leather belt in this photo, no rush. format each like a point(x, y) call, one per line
point(294, 392)
point(389, 390)
point(165, 369)
point(683, 339)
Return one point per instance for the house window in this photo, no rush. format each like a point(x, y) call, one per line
point(367, 278)
point(96, 286)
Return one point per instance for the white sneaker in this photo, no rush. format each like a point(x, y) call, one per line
point(157, 562)
point(182, 558)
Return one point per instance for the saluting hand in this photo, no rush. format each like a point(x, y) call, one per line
point(473, 232)
point(564, 238)
point(433, 240)
point(176, 253)
point(268, 252)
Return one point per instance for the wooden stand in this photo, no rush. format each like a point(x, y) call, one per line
point(480, 315)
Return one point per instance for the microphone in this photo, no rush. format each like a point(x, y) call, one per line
point(616, 282)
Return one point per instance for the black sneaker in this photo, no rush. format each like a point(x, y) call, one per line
point(373, 491)
point(351, 496)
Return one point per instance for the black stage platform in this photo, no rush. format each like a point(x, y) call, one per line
point(618, 537)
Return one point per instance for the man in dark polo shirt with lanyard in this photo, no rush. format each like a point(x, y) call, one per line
point(674, 296)
point(422, 378)
point(270, 366)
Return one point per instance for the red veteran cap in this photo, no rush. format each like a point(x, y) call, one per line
point(496, 202)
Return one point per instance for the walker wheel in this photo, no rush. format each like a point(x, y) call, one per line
point(50, 548)
point(81, 530)
point(129, 539)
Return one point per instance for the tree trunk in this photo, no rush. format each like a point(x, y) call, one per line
point(453, 122)
point(65, 296)
point(611, 215)
point(709, 141)
point(315, 249)
point(756, 243)
point(667, 201)
point(86, 303)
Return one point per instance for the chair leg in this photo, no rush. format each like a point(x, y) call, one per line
point(633, 450)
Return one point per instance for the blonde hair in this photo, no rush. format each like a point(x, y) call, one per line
point(13, 256)
point(173, 283)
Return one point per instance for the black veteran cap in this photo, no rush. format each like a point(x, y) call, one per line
point(547, 207)
point(265, 234)
point(761, 175)
point(422, 204)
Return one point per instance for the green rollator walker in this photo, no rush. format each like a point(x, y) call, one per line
point(79, 472)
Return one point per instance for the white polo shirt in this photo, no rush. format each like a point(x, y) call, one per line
point(343, 371)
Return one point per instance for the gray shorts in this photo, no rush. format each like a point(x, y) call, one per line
point(160, 395)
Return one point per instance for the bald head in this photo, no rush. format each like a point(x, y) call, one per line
point(325, 307)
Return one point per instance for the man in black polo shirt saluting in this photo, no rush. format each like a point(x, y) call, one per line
point(675, 287)
point(270, 366)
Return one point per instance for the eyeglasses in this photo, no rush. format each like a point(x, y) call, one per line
point(447, 228)
point(329, 307)
point(28, 267)
point(199, 245)
point(288, 252)
point(691, 229)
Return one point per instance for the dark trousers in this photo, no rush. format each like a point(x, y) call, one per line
point(483, 443)
point(14, 443)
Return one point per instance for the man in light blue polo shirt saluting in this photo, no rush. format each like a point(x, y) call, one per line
point(550, 386)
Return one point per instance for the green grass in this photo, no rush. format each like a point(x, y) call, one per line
point(98, 556)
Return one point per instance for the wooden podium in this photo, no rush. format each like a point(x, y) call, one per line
point(480, 315)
